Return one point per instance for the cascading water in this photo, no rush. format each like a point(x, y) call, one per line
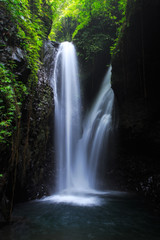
point(78, 155)
point(93, 145)
point(66, 88)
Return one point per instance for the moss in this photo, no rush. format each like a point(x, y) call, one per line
point(23, 31)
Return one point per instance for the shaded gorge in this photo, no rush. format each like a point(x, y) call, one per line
point(59, 122)
point(81, 208)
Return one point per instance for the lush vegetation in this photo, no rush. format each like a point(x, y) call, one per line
point(77, 14)
point(92, 24)
point(29, 19)
point(12, 95)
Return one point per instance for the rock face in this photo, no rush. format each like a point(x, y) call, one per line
point(36, 155)
point(34, 175)
point(39, 179)
point(10, 50)
point(136, 86)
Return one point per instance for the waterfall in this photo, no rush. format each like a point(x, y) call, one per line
point(93, 146)
point(66, 88)
point(79, 146)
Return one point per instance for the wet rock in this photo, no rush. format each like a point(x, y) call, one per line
point(55, 44)
point(4, 202)
point(37, 144)
point(136, 86)
point(18, 54)
point(35, 152)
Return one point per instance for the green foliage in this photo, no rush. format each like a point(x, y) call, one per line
point(83, 11)
point(93, 39)
point(77, 16)
point(1, 175)
point(11, 97)
point(122, 6)
point(92, 23)
point(31, 19)
point(58, 6)
point(30, 28)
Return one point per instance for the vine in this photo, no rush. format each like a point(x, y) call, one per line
point(10, 91)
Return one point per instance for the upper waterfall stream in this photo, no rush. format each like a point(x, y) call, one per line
point(66, 89)
point(80, 146)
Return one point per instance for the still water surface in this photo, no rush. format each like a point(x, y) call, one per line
point(109, 216)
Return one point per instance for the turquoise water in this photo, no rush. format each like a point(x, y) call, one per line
point(112, 216)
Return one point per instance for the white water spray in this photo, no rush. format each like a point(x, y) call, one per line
point(67, 113)
point(93, 145)
point(78, 156)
